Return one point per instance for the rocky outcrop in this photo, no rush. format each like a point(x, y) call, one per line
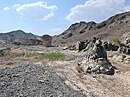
point(47, 40)
point(96, 60)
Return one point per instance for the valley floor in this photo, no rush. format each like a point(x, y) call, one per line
point(117, 85)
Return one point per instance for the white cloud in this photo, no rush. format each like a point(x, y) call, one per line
point(6, 8)
point(38, 10)
point(96, 10)
point(16, 5)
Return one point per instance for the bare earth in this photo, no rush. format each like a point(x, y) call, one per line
point(117, 85)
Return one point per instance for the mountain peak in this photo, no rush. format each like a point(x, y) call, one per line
point(16, 36)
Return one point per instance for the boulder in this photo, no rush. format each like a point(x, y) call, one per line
point(109, 46)
point(107, 68)
point(80, 45)
point(124, 50)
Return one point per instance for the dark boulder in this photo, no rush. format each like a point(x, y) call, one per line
point(109, 46)
point(4, 51)
point(125, 50)
point(81, 45)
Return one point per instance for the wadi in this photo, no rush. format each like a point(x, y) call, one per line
point(87, 60)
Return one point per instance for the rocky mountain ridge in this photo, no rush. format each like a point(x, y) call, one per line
point(115, 26)
point(16, 36)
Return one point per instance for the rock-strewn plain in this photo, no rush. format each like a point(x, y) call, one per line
point(34, 81)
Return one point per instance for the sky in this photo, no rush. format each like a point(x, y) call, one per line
point(54, 16)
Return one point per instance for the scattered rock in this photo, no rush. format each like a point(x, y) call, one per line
point(9, 63)
point(4, 51)
point(124, 50)
point(34, 81)
point(109, 46)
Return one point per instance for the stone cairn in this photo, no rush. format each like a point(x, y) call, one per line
point(96, 60)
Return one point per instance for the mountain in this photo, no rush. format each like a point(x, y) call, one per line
point(16, 36)
point(117, 26)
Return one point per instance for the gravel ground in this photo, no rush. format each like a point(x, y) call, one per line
point(34, 81)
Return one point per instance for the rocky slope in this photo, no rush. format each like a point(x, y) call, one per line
point(116, 26)
point(16, 36)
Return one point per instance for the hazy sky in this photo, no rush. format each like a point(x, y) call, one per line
point(54, 16)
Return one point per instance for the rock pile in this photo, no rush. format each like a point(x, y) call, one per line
point(34, 81)
point(96, 61)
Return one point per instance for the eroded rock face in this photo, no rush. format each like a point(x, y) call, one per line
point(47, 40)
point(34, 81)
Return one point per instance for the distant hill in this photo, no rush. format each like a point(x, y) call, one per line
point(16, 36)
point(116, 26)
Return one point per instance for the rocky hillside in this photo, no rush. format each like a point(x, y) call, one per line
point(116, 26)
point(16, 36)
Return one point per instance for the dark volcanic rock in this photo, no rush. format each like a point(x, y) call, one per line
point(34, 81)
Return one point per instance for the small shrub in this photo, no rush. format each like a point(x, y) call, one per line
point(12, 55)
point(53, 56)
point(116, 41)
